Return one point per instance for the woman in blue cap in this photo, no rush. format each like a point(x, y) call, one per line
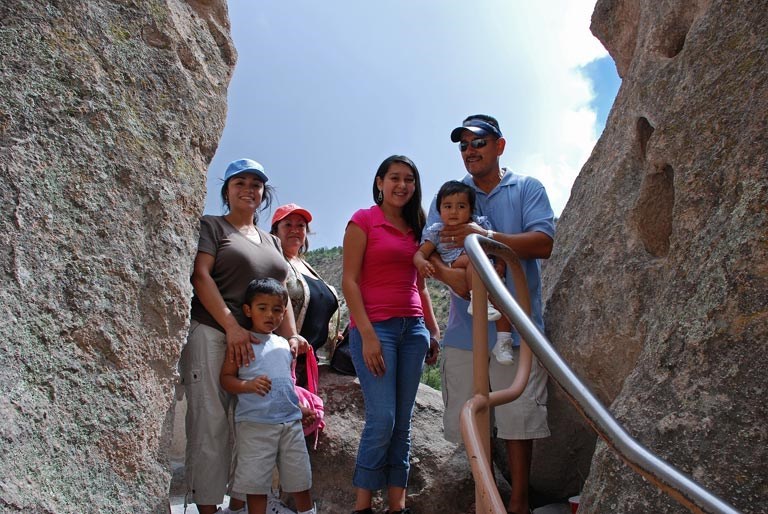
point(231, 252)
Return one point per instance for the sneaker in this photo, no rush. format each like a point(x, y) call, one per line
point(503, 352)
point(493, 314)
point(276, 506)
point(227, 510)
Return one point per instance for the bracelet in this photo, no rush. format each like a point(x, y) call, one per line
point(489, 234)
point(294, 336)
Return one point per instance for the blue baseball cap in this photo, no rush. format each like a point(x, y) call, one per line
point(241, 166)
point(477, 127)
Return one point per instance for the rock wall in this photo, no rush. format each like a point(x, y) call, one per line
point(657, 291)
point(110, 112)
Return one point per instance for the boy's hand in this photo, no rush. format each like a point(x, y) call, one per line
point(308, 415)
point(260, 385)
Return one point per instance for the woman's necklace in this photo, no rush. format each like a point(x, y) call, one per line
point(248, 230)
point(251, 233)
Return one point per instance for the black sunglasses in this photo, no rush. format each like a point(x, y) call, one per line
point(476, 143)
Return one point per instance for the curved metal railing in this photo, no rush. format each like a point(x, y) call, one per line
point(475, 415)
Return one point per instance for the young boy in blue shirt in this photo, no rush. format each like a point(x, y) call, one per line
point(268, 416)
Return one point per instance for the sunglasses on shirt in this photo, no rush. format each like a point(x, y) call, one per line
point(475, 143)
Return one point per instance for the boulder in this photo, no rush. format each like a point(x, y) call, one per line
point(440, 480)
point(657, 289)
point(110, 113)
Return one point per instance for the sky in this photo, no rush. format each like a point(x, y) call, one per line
point(323, 92)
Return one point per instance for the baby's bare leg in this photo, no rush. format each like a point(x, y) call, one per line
point(463, 262)
point(503, 324)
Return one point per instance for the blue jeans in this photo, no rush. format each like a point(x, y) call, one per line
point(385, 444)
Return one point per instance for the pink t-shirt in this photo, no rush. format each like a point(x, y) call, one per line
point(388, 276)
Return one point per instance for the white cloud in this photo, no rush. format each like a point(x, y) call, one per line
point(559, 167)
point(560, 136)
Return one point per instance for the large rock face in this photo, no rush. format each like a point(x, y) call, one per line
point(657, 292)
point(109, 115)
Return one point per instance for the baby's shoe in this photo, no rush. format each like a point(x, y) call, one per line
point(503, 352)
point(493, 314)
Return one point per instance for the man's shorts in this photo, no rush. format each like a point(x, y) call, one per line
point(260, 447)
point(525, 418)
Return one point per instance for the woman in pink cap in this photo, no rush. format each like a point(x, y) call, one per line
point(314, 300)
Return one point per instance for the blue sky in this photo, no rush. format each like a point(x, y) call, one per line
point(324, 91)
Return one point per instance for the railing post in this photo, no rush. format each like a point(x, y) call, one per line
point(480, 381)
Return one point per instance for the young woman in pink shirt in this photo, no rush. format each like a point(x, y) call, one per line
point(393, 328)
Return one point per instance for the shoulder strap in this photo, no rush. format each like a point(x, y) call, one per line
point(312, 371)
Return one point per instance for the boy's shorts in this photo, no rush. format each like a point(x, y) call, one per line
point(260, 447)
point(525, 418)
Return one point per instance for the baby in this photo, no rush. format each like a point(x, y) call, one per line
point(456, 205)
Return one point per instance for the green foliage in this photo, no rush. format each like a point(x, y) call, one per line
point(431, 376)
point(327, 262)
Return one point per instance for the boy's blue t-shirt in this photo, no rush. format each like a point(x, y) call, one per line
point(280, 405)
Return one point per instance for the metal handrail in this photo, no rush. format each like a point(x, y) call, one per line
point(657, 471)
point(475, 416)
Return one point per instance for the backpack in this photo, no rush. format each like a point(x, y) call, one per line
point(314, 402)
point(309, 398)
point(341, 360)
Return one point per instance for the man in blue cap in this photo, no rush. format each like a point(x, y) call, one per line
point(518, 208)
